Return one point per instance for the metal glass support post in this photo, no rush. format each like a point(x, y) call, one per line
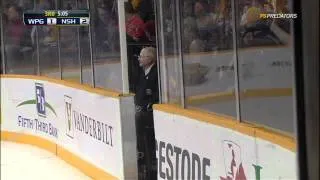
point(37, 43)
point(179, 39)
point(38, 53)
point(162, 62)
point(59, 54)
point(2, 41)
point(79, 47)
point(234, 9)
point(157, 20)
point(306, 87)
point(91, 52)
point(58, 46)
point(123, 47)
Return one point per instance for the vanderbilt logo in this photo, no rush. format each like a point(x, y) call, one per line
point(77, 122)
point(68, 116)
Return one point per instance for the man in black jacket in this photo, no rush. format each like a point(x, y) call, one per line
point(147, 94)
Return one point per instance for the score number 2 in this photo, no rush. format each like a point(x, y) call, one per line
point(84, 21)
point(63, 13)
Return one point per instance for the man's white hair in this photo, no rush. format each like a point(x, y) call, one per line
point(151, 51)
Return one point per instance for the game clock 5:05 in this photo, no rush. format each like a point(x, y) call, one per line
point(63, 13)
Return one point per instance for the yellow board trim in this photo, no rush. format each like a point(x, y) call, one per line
point(29, 139)
point(244, 94)
point(230, 51)
point(252, 130)
point(84, 166)
point(100, 91)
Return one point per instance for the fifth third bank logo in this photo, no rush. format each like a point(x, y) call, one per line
point(40, 100)
point(68, 116)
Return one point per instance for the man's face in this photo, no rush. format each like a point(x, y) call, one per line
point(12, 14)
point(187, 9)
point(103, 15)
point(245, 9)
point(145, 58)
point(198, 9)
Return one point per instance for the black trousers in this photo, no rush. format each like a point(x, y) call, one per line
point(146, 146)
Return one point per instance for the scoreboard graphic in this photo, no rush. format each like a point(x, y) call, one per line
point(57, 17)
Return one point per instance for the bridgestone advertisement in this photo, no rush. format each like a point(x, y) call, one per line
point(191, 149)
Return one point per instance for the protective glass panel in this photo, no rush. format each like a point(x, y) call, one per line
point(208, 56)
point(265, 65)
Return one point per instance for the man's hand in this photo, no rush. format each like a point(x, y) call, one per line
point(149, 107)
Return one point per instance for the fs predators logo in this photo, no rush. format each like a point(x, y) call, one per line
point(233, 163)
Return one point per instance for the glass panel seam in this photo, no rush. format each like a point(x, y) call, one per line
point(179, 39)
point(79, 48)
point(2, 41)
point(38, 52)
point(91, 52)
point(59, 47)
point(123, 47)
point(236, 60)
point(158, 45)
